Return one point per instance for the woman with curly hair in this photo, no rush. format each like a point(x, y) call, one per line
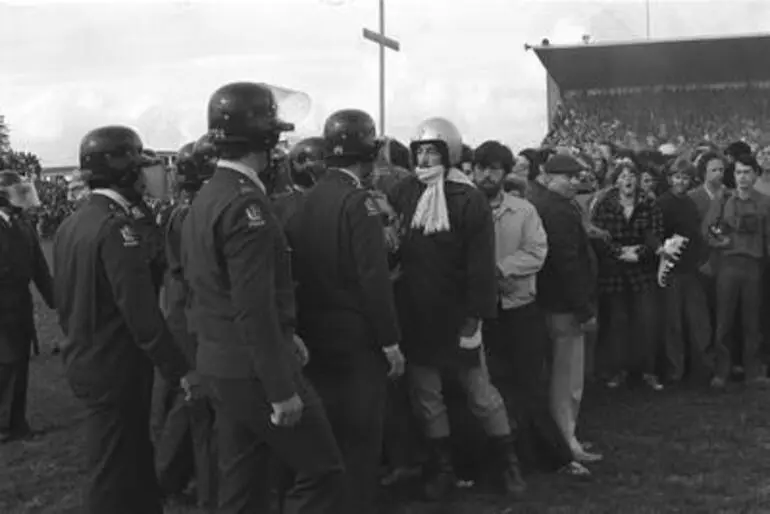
point(627, 283)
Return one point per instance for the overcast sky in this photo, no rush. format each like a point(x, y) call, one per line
point(69, 67)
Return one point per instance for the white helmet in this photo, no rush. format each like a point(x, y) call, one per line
point(442, 132)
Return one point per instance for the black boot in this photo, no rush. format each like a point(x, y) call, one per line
point(439, 479)
point(512, 481)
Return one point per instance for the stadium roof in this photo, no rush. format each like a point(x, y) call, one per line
point(649, 63)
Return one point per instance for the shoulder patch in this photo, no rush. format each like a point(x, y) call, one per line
point(371, 208)
point(255, 218)
point(130, 239)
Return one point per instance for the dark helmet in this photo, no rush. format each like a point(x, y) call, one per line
point(306, 161)
point(351, 133)
point(196, 162)
point(186, 168)
point(245, 113)
point(113, 156)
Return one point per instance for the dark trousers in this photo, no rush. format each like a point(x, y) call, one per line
point(629, 342)
point(246, 439)
point(119, 453)
point(163, 396)
point(14, 381)
point(516, 345)
point(186, 448)
point(687, 326)
point(353, 389)
point(402, 439)
point(738, 283)
point(765, 319)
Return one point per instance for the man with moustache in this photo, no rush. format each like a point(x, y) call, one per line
point(516, 341)
point(448, 286)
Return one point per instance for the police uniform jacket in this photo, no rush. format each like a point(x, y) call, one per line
point(21, 262)
point(153, 244)
point(106, 301)
point(176, 290)
point(236, 263)
point(447, 277)
point(344, 295)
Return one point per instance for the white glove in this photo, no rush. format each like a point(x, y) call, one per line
point(472, 342)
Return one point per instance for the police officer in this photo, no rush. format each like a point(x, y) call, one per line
point(114, 329)
point(21, 262)
point(345, 301)
point(184, 447)
point(235, 261)
point(305, 167)
point(145, 220)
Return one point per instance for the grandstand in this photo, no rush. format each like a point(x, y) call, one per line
point(642, 94)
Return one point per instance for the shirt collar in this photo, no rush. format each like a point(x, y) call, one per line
point(507, 203)
point(115, 197)
point(243, 170)
point(709, 193)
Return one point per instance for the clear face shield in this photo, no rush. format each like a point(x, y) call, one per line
point(154, 177)
point(23, 195)
point(293, 106)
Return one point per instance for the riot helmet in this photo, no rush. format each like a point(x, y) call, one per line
point(244, 115)
point(113, 157)
point(350, 136)
point(306, 161)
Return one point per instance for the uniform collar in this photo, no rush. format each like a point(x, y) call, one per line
point(352, 176)
point(115, 197)
point(243, 170)
point(5, 216)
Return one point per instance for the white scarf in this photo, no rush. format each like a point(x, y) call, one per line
point(431, 213)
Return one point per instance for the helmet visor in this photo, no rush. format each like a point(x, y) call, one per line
point(293, 106)
point(23, 195)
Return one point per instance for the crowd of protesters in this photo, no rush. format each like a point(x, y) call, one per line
point(666, 275)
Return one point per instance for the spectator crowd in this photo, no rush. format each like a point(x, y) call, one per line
point(632, 248)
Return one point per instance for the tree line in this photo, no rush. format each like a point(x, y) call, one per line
point(10, 159)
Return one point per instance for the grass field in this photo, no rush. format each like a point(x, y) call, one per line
point(681, 450)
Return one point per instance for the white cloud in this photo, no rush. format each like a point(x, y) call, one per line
point(154, 64)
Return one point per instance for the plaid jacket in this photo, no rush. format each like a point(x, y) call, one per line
point(645, 227)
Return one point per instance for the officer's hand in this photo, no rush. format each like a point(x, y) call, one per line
point(191, 384)
point(287, 413)
point(301, 351)
point(396, 360)
point(589, 325)
point(391, 238)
